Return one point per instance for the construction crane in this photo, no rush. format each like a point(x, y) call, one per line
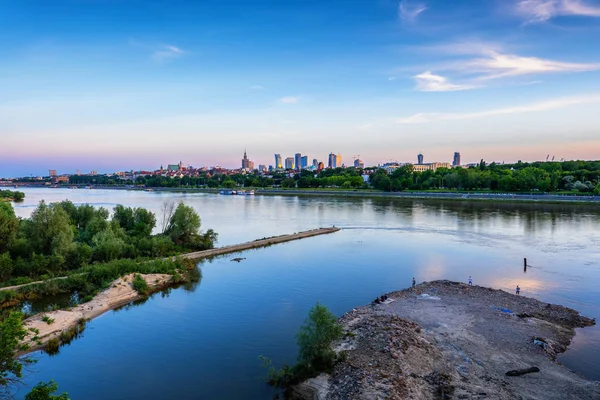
point(548, 156)
point(562, 159)
point(552, 158)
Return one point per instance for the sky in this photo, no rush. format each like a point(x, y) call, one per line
point(113, 85)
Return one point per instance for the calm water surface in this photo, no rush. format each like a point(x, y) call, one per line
point(202, 341)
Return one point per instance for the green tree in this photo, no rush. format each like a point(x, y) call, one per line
point(45, 391)
point(9, 223)
point(6, 266)
point(12, 334)
point(320, 329)
point(49, 230)
point(597, 190)
point(184, 225)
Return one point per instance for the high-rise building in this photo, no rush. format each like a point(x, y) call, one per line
point(262, 167)
point(289, 163)
point(298, 161)
point(304, 162)
point(338, 161)
point(358, 163)
point(52, 173)
point(315, 163)
point(331, 161)
point(246, 163)
point(419, 159)
point(320, 166)
point(456, 161)
point(278, 161)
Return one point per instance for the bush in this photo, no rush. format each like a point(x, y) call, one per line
point(139, 285)
point(315, 355)
point(47, 319)
point(45, 391)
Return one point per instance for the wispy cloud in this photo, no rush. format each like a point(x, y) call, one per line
point(409, 11)
point(497, 65)
point(420, 118)
point(257, 87)
point(428, 82)
point(536, 11)
point(289, 100)
point(167, 52)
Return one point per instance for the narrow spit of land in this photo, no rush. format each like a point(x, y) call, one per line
point(198, 255)
point(448, 340)
point(121, 292)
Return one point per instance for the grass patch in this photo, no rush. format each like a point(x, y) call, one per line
point(47, 319)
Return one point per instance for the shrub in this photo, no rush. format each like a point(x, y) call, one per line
point(45, 391)
point(47, 319)
point(139, 284)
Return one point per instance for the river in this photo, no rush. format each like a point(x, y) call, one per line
point(203, 341)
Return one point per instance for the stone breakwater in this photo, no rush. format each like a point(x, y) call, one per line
point(448, 340)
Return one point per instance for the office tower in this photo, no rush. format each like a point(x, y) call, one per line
point(52, 173)
point(278, 161)
point(456, 161)
point(304, 162)
point(331, 161)
point(358, 163)
point(338, 161)
point(289, 163)
point(298, 161)
point(420, 159)
point(315, 163)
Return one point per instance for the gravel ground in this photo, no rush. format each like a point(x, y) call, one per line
point(447, 340)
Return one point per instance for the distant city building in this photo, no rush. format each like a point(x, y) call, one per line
point(338, 161)
point(94, 173)
point(420, 159)
point(246, 163)
point(320, 166)
point(331, 161)
point(262, 167)
point(298, 161)
point(315, 163)
point(430, 167)
point(358, 163)
point(456, 161)
point(289, 163)
point(278, 161)
point(304, 162)
point(52, 173)
point(78, 172)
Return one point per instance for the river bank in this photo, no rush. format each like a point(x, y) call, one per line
point(119, 293)
point(372, 193)
point(444, 339)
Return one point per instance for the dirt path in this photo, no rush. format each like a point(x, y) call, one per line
point(119, 293)
point(446, 340)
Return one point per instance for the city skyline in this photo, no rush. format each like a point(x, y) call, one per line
point(96, 86)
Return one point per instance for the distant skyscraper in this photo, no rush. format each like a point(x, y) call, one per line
point(358, 163)
point(298, 161)
point(278, 161)
point(315, 163)
point(420, 159)
point(331, 161)
point(338, 161)
point(52, 173)
point(456, 161)
point(289, 163)
point(246, 163)
point(304, 162)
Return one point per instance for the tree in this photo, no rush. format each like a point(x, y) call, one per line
point(184, 225)
point(320, 329)
point(597, 190)
point(9, 223)
point(45, 391)
point(167, 209)
point(12, 334)
point(50, 230)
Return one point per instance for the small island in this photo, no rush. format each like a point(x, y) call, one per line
point(443, 340)
point(10, 195)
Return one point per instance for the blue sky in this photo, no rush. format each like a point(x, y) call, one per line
point(118, 85)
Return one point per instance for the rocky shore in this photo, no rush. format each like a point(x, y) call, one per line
point(448, 340)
